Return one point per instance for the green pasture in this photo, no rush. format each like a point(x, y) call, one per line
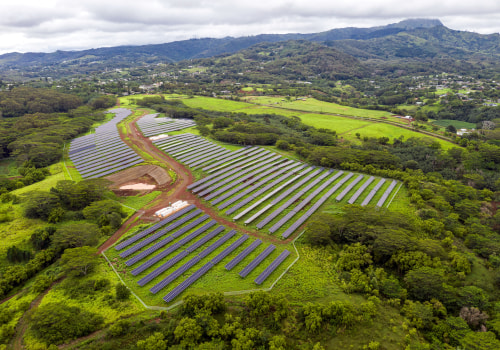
point(348, 128)
point(345, 127)
point(456, 123)
point(313, 105)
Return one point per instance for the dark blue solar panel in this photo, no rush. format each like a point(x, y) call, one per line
point(360, 190)
point(243, 254)
point(189, 281)
point(166, 240)
point(160, 233)
point(166, 252)
point(273, 266)
point(349, 188)
point(256, 262)
point(386, 194)
point(155, 227)
point(217, 244)
point(229, 249)
point(173, 276)
point(372, 192)
point(158, 271)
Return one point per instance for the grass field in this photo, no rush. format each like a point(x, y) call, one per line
point(456, 123)
point(313, 105)
point(348, 128)
point(345, 127)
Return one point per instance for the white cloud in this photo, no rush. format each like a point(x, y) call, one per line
point(29, 25)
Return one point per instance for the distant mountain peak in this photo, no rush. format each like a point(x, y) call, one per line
point(414, 23)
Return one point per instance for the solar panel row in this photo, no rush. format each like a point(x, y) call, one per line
point(273, 266)
point(153, 228)
point(160, 233)
point(256, 262)
point(372, 192)
point(236, 260)
point(386, 194)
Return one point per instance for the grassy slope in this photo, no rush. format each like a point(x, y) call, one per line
point(347, 127)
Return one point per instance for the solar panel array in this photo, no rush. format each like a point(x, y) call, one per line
point(103, 152)
point(192, 150)
point(151, 125)
point(167, 252)
point(249, 182)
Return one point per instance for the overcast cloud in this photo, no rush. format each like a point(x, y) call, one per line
point(49, 25)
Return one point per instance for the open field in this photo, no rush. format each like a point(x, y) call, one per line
point(313, 105)
point(346, 127)
point(456, 123)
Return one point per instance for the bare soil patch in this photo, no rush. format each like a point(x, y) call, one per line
point(136, 174)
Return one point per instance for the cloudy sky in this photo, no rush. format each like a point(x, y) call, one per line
point(49, 25)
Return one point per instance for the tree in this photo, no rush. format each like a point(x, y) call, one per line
point(79, 261)
point(39, 205)
point(101, 212)
point(76, 235)
point(355, 256)
point(480, 341)
point(154, 342)
point(188, 332)
point(451, 128)
point(318, 233)
point(122, 292)
point(425, 283)
point(54, 323)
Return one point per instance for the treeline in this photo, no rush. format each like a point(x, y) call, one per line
point(25, 100)
point(83, 215)
point(260, 321)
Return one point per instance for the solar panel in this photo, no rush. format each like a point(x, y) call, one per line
point(217, 244)
point(243, 254)
point(277, 168)
point(360, 190)
point(386, 194)
point(290, 201)
point(160, 233)
point(349, 188)
point(237, 178)
point(205, 239)
point(155, 227)
point(372, 192)
point(229, 249)
point(273, 266)
point(256, 262)
point(166, 252)
point(173, 276)
point(189, 281)
point(264, 190)
point(166, 240)
point(253, 184)
point(236, 154)
point(165, 266)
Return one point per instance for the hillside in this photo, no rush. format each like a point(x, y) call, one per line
point(415, 39)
